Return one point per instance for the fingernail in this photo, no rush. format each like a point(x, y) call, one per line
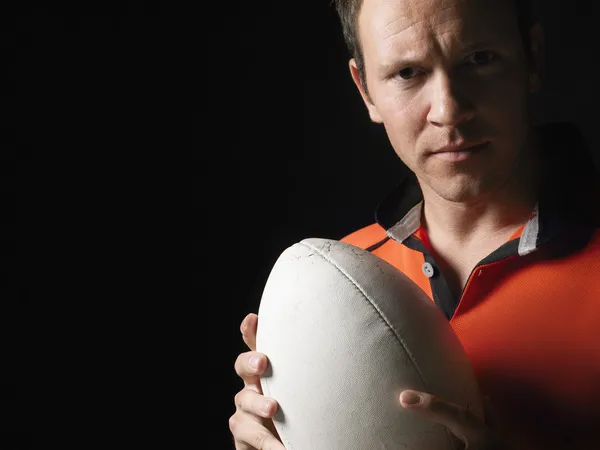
point(410, 398)
point(254, 361)
point(244, 325)
point(266, 407)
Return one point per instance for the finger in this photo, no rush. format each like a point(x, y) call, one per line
point(250, 435)
point(248, 329)
point(234, 426)
point(250, 401)
point(249, 366)
point(460, 421)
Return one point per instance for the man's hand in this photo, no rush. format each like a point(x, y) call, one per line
point(251, 424)
point(466, 426)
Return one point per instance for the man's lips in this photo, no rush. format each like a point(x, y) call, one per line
point(461, 147)
point(459, 152)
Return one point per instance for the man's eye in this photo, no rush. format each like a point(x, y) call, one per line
point(408, 73)
point(481, 58)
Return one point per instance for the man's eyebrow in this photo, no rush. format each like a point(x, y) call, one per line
point(481, 45)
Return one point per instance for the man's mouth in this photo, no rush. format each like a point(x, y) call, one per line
point(461, 151)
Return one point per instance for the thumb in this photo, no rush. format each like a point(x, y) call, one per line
point(462, 422)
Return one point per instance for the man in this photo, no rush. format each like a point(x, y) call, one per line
point(497, 222)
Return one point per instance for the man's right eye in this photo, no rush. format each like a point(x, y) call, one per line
point(408, 73)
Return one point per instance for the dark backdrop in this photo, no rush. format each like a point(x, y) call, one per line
point(311, 164)
point(302, 158)
point(79, 107)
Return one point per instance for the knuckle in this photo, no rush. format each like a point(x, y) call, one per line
point(238, 365)
point(233, 422)
point(238, 400)
point(259, 440)
point(246, 324)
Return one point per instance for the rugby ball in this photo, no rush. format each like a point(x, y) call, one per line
point(345, 332)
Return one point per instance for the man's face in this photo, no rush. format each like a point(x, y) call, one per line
point(446, 72)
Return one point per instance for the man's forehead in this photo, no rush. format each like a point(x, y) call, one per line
point(385, 18)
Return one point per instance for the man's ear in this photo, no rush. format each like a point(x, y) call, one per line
point(537, 51)
point(373, 113)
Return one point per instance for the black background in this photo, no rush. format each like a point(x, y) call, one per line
point(81, 81)
point(301, 157)
point(321, 175)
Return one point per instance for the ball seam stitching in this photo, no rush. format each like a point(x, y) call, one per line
point(372, 303)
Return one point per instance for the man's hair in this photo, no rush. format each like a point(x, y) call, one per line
point(348, 12)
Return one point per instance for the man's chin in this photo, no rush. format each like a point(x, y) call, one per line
point(463, 191)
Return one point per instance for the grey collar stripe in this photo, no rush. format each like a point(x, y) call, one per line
point(529, 237)
point(412, 221)
point(408, 225)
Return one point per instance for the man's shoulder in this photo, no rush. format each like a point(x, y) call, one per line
point(366, 237)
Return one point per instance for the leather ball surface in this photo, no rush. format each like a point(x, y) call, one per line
point(345, 332)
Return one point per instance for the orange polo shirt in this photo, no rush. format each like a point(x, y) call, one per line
point(528, 316)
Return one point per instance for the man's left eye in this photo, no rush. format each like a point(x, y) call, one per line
point(481, 58)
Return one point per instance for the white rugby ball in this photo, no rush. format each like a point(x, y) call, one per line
point(345, 332)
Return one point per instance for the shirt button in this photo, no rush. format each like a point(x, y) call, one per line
point(427, 269)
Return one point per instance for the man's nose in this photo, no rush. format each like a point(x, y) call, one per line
point(449, 105)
